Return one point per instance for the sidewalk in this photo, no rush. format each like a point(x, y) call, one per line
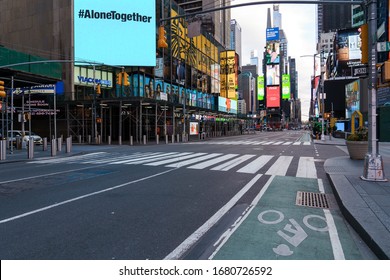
point(365, 204)
point(22, 154)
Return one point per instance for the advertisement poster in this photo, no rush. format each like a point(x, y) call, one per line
point(194, 128)
point(260, 88)
point(272, 34)
point(111, 28)
point(273, 75)
point(273, 97)
point(352, 98)
point(272, 54)
point(286, 92)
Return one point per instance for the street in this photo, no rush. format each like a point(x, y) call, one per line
point(223, 198)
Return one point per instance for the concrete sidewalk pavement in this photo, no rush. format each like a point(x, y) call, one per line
point(365, 204)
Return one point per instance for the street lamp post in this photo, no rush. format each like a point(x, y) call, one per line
point(313, 83)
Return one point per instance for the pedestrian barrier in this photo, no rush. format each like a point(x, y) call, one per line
point(30, 148)
point(59, 144)
point(68, 144)
point(53, 147)
point(3, 149)
point(44, 145)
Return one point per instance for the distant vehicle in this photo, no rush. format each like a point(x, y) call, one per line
point(18, 133)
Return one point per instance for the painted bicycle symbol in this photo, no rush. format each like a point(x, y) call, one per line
point(292, 232)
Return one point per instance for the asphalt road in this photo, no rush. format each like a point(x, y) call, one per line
point(176, 201)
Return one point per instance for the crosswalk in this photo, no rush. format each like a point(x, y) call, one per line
point(240, 163)
point(254, 143)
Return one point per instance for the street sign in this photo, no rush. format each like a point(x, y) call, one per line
point(383, 46)
point(381, 30)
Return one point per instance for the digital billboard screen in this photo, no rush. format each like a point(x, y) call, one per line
point(116, 32)
point(272, 54)
point(272, 34)
point(352, 98)
point(348, 45)
point(286, 86)
point(273, 75)
point(260, 88)
point(273, 97)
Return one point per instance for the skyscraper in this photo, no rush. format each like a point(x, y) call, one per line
point(235, 39)
point(254, 60)
point(217, 23)
point(333, 16)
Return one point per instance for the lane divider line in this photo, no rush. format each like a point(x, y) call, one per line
point(81, 197)
point(195, 236)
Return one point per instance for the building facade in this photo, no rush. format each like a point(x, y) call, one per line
point(236, 39)
point(110, 103)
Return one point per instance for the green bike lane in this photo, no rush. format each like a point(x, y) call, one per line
point(274, 227)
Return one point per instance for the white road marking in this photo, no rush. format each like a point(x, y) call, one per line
point(337, 248)
point(255, 165)
point(177, 158)
point(225, 236)
point(211, 162)
point(191, 161)
point(280, 167)
point(306, 168)
point(81, 197)
point(194, 237)
point(232, 163)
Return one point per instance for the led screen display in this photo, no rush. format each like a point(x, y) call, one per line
point(194, 128)
point(273, 97)
point(272, 54)
point(352, 98)
point(348, 45)
point(273, 75)
point(227, 105)
point(286, 91)
point(116, 32)
point(260, 88)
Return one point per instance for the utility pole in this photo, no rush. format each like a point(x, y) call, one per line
point(322, 96)
point(373, 162)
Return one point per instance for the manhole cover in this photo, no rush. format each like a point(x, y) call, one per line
point(310, 199)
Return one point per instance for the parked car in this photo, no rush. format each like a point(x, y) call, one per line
point(26, 138)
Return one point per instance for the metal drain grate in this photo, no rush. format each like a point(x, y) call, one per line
point(310, 199)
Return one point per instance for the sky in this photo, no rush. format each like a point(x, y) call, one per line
point(299, 25)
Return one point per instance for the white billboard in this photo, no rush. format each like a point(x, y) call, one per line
point(115, 32)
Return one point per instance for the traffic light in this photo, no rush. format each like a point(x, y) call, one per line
point(364, 43)
point(119, 78)
point(98, 89)
point(2, 90)
point(126, 79)
point(162, 38)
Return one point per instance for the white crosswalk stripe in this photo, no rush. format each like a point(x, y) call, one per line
point(280, 166)
point(232, 163)
point(306, 168)
point(252, 143)
point(246, 164)
point(255, 165)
